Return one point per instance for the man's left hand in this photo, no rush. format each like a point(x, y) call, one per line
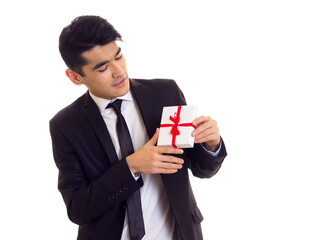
point(206, 132)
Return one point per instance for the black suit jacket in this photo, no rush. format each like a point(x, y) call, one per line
point(95, 185)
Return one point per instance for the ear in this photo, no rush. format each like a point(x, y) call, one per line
point(74, 77)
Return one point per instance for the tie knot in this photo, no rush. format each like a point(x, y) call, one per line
point(116, 105)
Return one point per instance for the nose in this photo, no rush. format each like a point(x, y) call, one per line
point(117, 70)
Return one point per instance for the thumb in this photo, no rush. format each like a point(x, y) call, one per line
point(154, 139)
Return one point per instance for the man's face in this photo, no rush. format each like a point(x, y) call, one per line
point(105, 74)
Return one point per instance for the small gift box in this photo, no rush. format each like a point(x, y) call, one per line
point(176, 126)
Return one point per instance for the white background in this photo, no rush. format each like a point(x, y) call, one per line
point(255, 66)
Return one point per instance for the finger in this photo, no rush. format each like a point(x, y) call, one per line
point(166, 164)
point(201, 128)
point(213, 138)
point(165, 171)
point(206, 138)
point(205, 130)
point(169, 150)
point(210, 125)
point(154, 139)
point(200, 120)
point(169, 167)
point(201, 123)
point(171, 159)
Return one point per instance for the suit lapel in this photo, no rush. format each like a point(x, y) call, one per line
point(146, 106)
point(96, 121)
point(148, 110)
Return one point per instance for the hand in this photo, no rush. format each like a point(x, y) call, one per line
point(150, 158)
point(207, 132)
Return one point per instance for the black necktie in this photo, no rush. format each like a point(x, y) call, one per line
point(135, 218)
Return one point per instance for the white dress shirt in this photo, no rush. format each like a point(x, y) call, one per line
point(158, 219)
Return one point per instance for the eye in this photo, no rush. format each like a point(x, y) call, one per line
point(102, 70)
point(119, 57)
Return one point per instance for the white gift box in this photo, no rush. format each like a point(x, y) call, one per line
point(176, 126)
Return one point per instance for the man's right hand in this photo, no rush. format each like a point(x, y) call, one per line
point(150, 158)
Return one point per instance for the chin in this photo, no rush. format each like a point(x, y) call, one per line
point(123, 91)
point(126, 86)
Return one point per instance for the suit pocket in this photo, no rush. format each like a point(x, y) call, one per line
point(197, 215)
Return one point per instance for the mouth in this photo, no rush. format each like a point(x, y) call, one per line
point(120, 83)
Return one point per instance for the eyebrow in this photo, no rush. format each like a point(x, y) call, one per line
point(98, 65)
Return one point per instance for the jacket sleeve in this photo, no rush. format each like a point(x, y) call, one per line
point(87, 199)
point(200, 161)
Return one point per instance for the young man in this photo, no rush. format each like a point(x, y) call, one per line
point(104, 187)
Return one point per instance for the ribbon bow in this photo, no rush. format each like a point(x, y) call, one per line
point(174, 131)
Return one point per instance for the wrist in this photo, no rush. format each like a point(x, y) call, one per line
point(130, 164)
point(212, 147)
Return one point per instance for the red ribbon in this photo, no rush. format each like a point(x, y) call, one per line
point(174, 131)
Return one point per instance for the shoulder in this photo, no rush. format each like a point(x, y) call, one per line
point(70, 112)
point(154, 83)
point(161, 90)
point(155, 86)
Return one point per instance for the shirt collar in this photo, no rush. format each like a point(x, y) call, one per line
point(102, 102)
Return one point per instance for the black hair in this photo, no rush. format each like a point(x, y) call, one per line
point(84, 33)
